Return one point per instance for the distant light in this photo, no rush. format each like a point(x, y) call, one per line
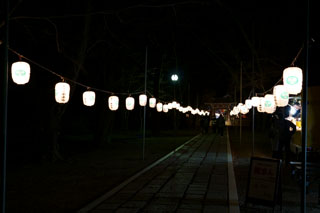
point(62, 92)
point(89, 98)
point(20, 72)
point(174, 77)
point(293, 110)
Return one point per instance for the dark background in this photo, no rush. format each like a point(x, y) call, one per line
point(103, 45)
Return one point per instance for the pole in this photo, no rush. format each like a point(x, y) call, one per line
point(240, 101)
point(5, 106)
point(304, 119)
point(252, 151)
point(145, 107)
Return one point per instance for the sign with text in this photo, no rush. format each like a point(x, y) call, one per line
point(263, 181)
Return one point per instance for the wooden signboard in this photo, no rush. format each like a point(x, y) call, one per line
point(264, 181)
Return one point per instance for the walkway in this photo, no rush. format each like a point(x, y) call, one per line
point(197, 177)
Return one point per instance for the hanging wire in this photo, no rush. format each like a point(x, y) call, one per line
point(70, 80)
point(83, 85)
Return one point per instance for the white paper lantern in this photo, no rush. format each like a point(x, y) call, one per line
point(89, 98)
point(281, 95)
point(143, 100)
point(62, 92)
point(169, 105)
point(255, 101)
point(165, 108)
point(159, 107)
point(292, 80)
point(235, 109)
point(174, 104)
point(244, 109)
point(269, 104)
point(20, 72)
point(248, 103)
point(130, 103)
point(261, 106)
point(113, 103)
point(152, 102)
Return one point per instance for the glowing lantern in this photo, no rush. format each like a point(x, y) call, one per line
point(174, 104)
point(159, 107)
point(243, 109)
point(169, 105)
point(165, 108)
point(255, 101)
point(261, 107)
point(281, 95)
point(269, 104)
point(62, 92)
point(292, 80)
point(113, 103)
point(235, 110)
point(143, 100)
point(152, 102)
point(89, 98)
point(248, 103)
point(193, 112)
point(20, 72)
point(129, 103)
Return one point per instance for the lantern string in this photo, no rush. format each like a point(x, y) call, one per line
point(298, 54)
point(83, 85)
point(70, 80)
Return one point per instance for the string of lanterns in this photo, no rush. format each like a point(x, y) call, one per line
point(21, 71)
point(292, 85)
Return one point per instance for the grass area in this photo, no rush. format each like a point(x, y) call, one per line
point(69, 185)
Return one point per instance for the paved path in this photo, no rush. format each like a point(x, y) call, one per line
point(192, 179)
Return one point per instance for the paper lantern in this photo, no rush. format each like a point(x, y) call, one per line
point(255, 101)
point(269, 104)
point(130, 103)
point(152, 102)
point(243, 109)
point(174, 104)
point(20, 72)
point(62, 92)
point(165, 108)
point(143, 100)
point(281, 95)
point(261, 106)
point(113, 103)
point(89, 98)
point(169, 105)
point(292, 80)
point(248, 103)
point(235, 110)
point(159, 107)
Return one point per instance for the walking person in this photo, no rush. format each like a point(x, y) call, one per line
point(221, 124)
point(286, 131)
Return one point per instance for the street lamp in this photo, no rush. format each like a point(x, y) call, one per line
point(174, 77)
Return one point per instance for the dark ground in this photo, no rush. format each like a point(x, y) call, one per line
point(67, 186)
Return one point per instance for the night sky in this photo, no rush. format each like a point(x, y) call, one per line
point(102, 45)
point(204, 41)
